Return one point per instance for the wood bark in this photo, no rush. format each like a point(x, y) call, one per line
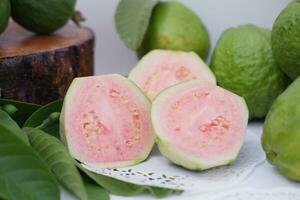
point(39, 69)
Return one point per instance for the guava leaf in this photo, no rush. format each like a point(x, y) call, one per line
point(38, 117)
point(24, 110)
point(94, 191)
point(8, 124)
point(122, 188)
point(23, 175)
point(132, 19)
point(54, 153)
point(77, 18)
point(162, 192)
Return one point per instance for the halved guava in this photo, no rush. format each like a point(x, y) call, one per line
point(160, 69)
point(199, 125)
point(106, 121)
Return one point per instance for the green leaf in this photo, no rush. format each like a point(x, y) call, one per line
point(23, 175)
point(54, 153)
point(39, 116)
point(8, 124)
point(122, 188)
point(132, 19)
point(24, 110)
point(162, 192)
point(94, 191)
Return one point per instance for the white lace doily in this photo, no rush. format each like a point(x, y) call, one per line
point(158, 171)
point(252, 194)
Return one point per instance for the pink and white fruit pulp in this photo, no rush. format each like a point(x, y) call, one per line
point(199, 125)
point(106, 121)
point(160, 69)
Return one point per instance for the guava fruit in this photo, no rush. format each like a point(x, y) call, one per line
point(281, 132)
point(243, 63)
point(106, 122)
point(160, 69)
point(286, 40)
point(42, 17)
point(199, 125)
point(174, 26)
point(4, 14)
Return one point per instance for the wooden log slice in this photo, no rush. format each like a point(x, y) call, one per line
point(39, 69)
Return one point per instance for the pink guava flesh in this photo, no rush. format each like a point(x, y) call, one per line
point(201, 120)
point(161, 69)
point(107, 121)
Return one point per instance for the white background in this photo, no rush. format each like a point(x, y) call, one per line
point(113, 57)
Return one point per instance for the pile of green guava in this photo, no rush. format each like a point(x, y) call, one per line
point(253, 62)
point(259, 65)
point(281, 133)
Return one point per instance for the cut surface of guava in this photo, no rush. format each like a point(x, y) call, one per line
point(199, 125)
point(160, 69)
point(106, 121)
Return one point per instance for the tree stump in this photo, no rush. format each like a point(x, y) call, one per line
point(39, 69)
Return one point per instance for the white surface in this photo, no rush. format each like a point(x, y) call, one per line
point(159, 172)
point(254, 194)
point(113, 57)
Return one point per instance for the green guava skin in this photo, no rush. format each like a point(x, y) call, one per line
point(281, 133)
point(243, 63)
point(4, 14)
point(174, 26)
point(42, 17)
point(286, 40)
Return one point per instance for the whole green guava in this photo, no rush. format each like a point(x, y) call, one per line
point(174, 26)
point(281, 133)
point(286, 40)
point(4, 14)
point(243, 63)
point(42, 17)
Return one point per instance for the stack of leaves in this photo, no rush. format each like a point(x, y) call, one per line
point(34, 162)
